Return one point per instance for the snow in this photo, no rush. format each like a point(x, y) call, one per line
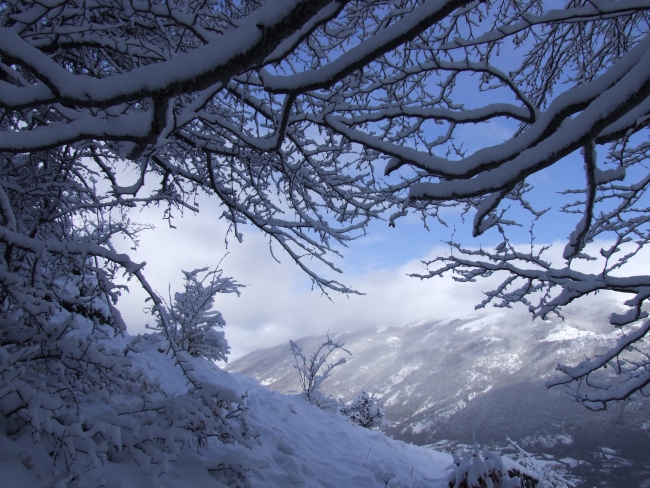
point(565, 332)
point(294, 443)
point(547, 441)
point(480, 323)
point(403, 372)
point(393, 341)
point(301, 444)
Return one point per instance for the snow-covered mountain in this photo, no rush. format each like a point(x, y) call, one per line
point(482, 377)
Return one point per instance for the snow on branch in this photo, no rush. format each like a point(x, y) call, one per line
point(314, 371)
point(192, 319)
point(594, 388)
point(307, 120)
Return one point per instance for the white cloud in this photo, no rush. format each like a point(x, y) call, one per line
point(278, 303)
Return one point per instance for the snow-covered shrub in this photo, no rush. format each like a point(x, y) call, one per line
point(548, 474)
point(480, 469)
point(365, 409)
point(74, 395)
point(314, 371)
point(192, 321)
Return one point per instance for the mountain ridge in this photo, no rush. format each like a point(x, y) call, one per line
point(482, 377)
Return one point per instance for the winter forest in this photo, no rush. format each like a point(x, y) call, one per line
point(309, 122)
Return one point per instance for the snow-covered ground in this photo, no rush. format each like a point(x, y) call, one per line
point(292, 443)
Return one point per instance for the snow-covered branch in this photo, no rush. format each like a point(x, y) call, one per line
point(314, 371)
point(289, 113)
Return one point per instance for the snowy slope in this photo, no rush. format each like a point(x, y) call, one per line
point(431, 371)
point(482, 377)
point(293, 443)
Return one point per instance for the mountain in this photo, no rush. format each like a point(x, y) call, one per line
point(448, 382)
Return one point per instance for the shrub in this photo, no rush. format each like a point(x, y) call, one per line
point(366, 409)
point(546, 474)
point(314, 371)
point(480, 469)
point(191, 318)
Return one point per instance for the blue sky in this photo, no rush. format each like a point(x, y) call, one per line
point(279, 303)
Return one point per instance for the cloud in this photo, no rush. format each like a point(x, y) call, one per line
point(278, 303)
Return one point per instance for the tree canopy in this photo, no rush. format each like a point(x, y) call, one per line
point(307, 119)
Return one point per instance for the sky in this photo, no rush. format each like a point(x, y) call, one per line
point(278, 302)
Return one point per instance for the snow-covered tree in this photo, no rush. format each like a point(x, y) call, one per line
point(365, 409)
point(192, 319)
point(546, 474)
point(283, 111)
point(73, 393)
